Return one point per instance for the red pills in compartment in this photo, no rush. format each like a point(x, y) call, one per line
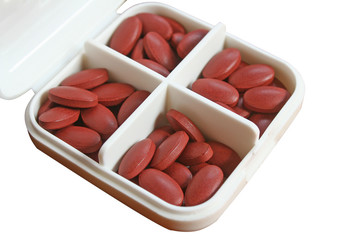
point(88, 94)
point(161, 39)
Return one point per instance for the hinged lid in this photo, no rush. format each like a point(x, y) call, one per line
point(39, 37)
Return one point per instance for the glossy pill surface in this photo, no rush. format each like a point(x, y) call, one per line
point(203, 185)
point(222, 64)
point(157, 67)
point(265, 99)
point(83, 139)
point(224, 157)
point(180, 122)
point(180, 173)
point(87, 79)
point(58, 117)
point(136, 158)
point(45, 106)
point(169, 150)
point(195, 153)
point(73, 97)
point(111, 94)
point(216, 90)
point(155, 23)
point(126, 35)
point(159, 50)
point(100, 119)
point(189, 41)
point(161, 185)
point(253, 75)
point(131, 104)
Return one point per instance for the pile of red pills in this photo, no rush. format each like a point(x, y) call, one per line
point(250, 90)
point(155, 41)
point(86, 109)
point(177, 164)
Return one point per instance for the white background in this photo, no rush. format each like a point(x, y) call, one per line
point(307, 188)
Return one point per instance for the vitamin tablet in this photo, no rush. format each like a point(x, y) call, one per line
point(126, 35)
point(138, 52)
point(195, 153)
point(83, 139)
point(58, 117)
point(265, 99)
point(224, 157)
point(136, 158)
point(222, 64)
point(131, 104)
point(73, 97)
point(169, 150)
point(154, 66)
point(189, 41)
point(195, 168)
point(175, 39)
point(180, 173)
point(158, 136)
point(262, 121)
point(87, 79)
point(100, 119)
point(253, 75)
point(155, 23)
point(203, 185)
point(111, 94)
point(179, 121)
point(45, 106)
point(159, 50)
point(216, 90)
point(161, 185)
point(176, 26)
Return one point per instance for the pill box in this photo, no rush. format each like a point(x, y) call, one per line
point(90, 50)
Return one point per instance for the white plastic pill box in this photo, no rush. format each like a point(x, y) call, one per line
point(90, 50)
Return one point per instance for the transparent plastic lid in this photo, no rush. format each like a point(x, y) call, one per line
point(38, 37)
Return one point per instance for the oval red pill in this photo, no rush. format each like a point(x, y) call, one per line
point(195, 153)
point(175, 39)
point(100, 119)
point(87, 79)
point(58, 117)
point(262, 121)
point(224, 157)
point(138, 51)
point(241, 111)
point(84, 139)
point(216, 90)
point(222, 64)
point(195, 168)
point(158, 136)
point(136, 158)
point(161, 185)
point(176, 26)
point(180, 173)
point(253, 75)
point(189, 41)
point(131, 104)
point(203, 185)
point(159, 50)
point(180, 122)
point(73, 97)
point(155, 23)
point(265, 99)
point(111, 94)
point(169, 150)
point(126, 35)
point(47, 105)
point(157, 67)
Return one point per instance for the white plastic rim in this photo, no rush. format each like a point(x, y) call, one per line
point(215, 122)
